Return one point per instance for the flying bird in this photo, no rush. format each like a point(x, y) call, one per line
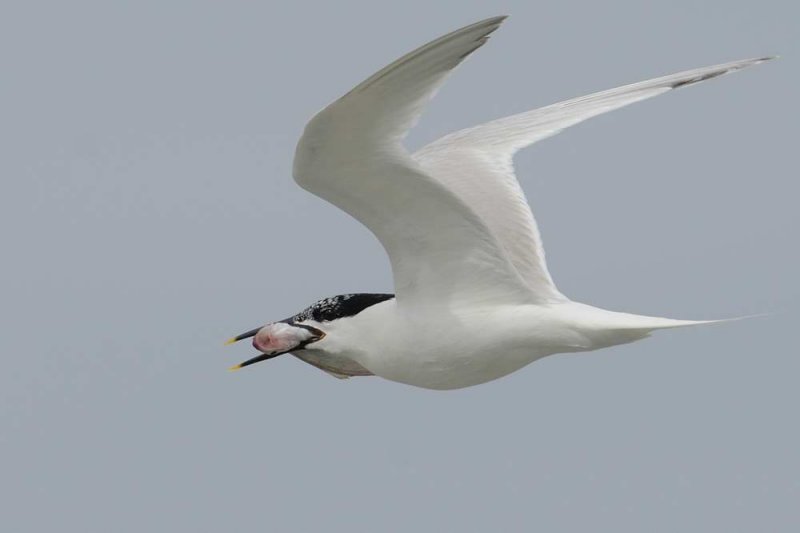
point(473, 299)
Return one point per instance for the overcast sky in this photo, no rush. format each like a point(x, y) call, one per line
point(147, 213)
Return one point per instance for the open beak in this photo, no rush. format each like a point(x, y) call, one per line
point(277, 339)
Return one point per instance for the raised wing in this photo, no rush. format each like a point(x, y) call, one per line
point(352, 156)
point(476, 163)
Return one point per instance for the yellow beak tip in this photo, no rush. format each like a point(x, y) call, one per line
point(234, 368)
point(230, 341)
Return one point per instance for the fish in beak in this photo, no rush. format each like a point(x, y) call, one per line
point(277, 339)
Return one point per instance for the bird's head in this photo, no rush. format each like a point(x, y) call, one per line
point(295, 333)
point(278, 338)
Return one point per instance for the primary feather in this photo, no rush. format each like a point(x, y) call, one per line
point(476, 163)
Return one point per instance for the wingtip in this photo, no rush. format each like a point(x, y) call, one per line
point(746, 63)
point(498, 20)
point(758, 60)
point(692, 77)
point(491, 22)
point(487, 27)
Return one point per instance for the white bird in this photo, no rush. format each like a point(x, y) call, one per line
point(474, 299)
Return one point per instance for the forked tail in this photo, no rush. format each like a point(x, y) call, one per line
point(607, 328)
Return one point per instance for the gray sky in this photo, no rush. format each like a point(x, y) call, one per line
point(147, 213)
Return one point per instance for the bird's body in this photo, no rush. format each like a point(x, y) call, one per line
point(450, 348)
point(474, 299)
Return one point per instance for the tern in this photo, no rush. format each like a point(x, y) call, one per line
point(473, 299)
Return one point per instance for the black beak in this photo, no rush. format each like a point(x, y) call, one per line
point(246, 335)
point(257, 359)
point(315, 335)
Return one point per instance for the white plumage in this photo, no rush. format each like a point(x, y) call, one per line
point(474, 299)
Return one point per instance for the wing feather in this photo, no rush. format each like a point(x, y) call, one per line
point(351, 155)
point(476, 163)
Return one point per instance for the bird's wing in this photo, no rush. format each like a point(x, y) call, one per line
point(476, 163)
point(351, 154)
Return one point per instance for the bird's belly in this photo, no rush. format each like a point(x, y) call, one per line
point(449, 370)
point(455, 350)
point(460, 359)
point(463, 370)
